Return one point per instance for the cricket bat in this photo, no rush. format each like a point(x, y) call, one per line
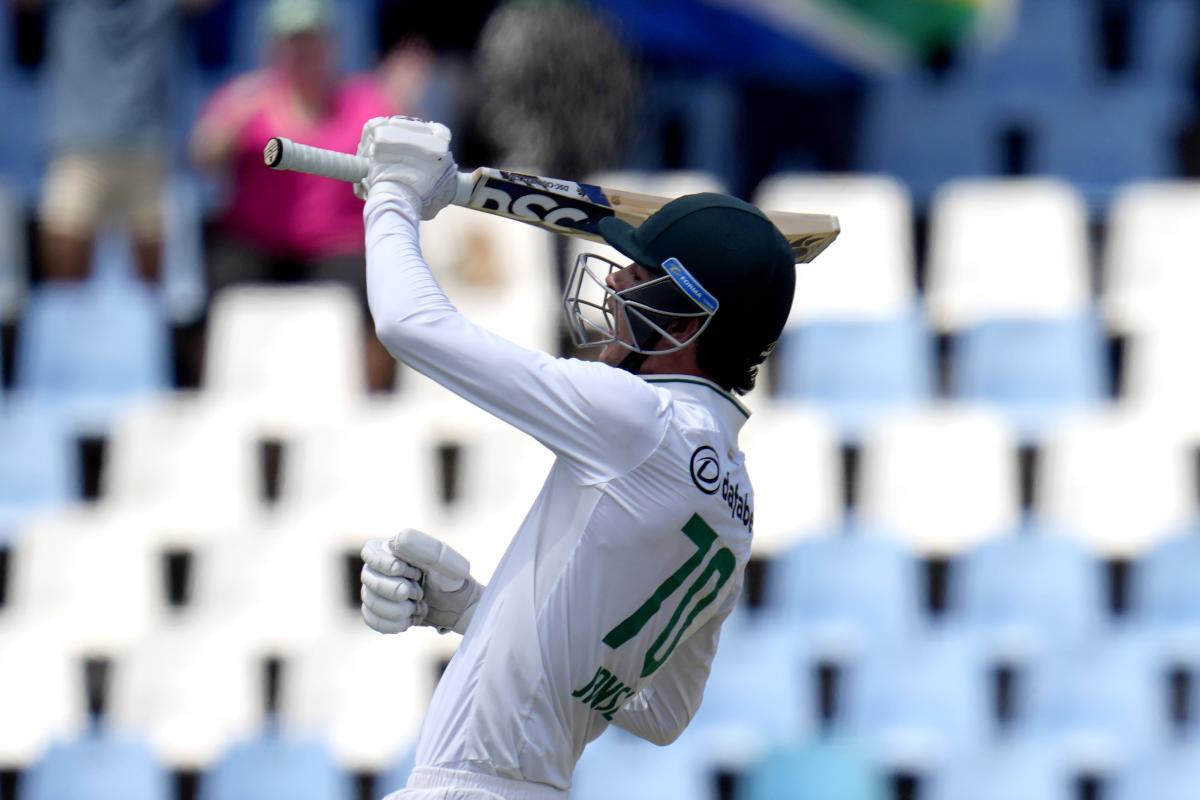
point(561, 206)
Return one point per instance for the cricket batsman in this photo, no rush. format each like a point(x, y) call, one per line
point(607, 605)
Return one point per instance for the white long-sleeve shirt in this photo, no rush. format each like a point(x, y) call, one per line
point(607, 605)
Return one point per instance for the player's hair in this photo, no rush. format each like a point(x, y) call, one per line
point(720, 360)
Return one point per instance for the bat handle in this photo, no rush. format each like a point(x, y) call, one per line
point(281, 153)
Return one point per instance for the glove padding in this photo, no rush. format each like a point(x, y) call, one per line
point(410, 158)
point(414, 579)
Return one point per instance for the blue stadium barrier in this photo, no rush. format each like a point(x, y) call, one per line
point(271, 768)
point(86, 350)
point(821, 770)
point(922, 703)
point(1032, 371)
point(1015, 767)
point(98, 767)
point(39, 465)
point(857, 370)
point(847, 591)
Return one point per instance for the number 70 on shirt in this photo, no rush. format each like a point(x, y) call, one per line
point(712, 576)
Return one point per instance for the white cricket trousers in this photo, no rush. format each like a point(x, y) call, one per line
point(434, 783)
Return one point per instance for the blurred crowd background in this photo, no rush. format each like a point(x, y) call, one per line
point(977, 570)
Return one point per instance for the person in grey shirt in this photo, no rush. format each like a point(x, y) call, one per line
point(108, 67)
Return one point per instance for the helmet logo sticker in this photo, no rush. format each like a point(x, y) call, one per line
point(690, 286)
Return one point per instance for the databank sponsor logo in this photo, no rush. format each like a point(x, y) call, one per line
point(707, 476)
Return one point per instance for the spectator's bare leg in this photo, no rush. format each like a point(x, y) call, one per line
point(66, 257)
point(148, 253)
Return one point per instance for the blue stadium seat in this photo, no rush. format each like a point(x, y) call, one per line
point(618, 764)
point(1166, 583)
point(1173, 773)
point(846, 591)
point(1031, 371)
point(271, 768)
point(86, 350)
point(98, 767)
point(821, 770)
point(39, 466)
point(1028, 592)
point(1020, 767)
point(762, 687)
point(922, 703)
point(857, 370)
point(394, 778)
point(1105, 702)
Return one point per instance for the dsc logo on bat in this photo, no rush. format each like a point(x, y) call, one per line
point(558, 203)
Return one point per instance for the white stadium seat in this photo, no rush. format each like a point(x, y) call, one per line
point(1160, 373)
point(186, 461)
point(189, 690)
point(1004, 249)
point(942, 478)
point(1118, 478)
point(91, 576)
point(276, 589)
point(41, 689)
point(793, 459)
point(868, 271)
point(363, 693)
point(292, 356)
point(1150, 258)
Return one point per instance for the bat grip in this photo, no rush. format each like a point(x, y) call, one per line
point(281, 153)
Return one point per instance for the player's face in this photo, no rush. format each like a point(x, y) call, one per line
point(630, 276)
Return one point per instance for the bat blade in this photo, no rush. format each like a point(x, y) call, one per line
point(576, 209)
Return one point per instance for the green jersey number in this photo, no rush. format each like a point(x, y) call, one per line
point(719, 567)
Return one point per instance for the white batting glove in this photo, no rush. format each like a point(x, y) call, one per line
point(410, 158)
point(414, 579)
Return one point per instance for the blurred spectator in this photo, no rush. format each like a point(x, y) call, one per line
point(285, 226)
point(109, 67)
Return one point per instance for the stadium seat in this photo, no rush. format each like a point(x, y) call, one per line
point(792, 456)
point(820, 770)
point(1162, 41)
point(1104, 702)
point(1006, 248)
point(98, 767)
point(291, 356)
point(86, 350)
point(363, 694)
point(846, 592)
point(261, 605)
point(1158, 377)
point(774, 659)
point(273, 768)
point(39, 466)
point(41, 690)
point(1013, 767)
point(857, 370)
point(90, 576)
point(396, 775)
point(1148, 261)
point(183, 291)
point(189, 690)
point(857, 277)
point(205, 484)
point(940, 478)
point(13, 267)
point(1119, 479)
point(1028, 593)
point(1173, 773)
point(923, 703)
point(618, 764)
point(1034, 372)
point(1165, 591)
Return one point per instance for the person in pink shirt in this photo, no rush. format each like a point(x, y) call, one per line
point(285, 227)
